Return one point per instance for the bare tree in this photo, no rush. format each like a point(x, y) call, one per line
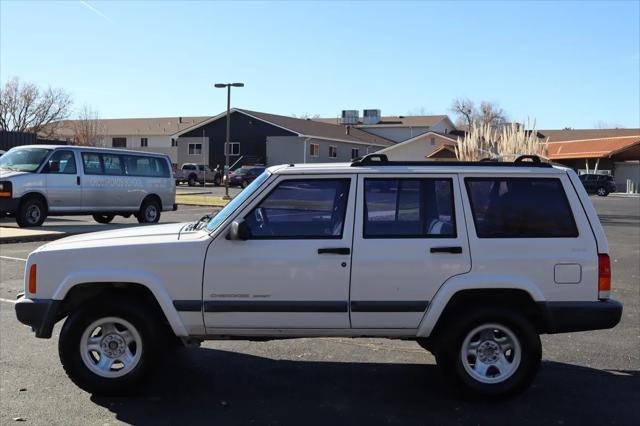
point(490, 113)
point(608, 125)
point(465, 111)
point(29, 108)
point(88, 129)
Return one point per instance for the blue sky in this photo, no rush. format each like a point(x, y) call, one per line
point(565, 64)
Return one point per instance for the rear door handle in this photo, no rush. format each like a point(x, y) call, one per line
point(78, 180)
point(335, 250)
point(455, 250)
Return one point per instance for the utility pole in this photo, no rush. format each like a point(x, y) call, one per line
point(228, 136)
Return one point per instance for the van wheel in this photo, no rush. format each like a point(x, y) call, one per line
point(602, 191)
point(217, 180)
point(149, 212)
point(109, 348)
point(192, 180)
point(103, 218)
point(489, 352)
point(32, 212)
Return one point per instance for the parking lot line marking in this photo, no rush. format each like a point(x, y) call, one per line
point(13, 258)
point(8, 301)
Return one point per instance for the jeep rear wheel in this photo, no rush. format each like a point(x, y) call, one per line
point(108, 348)
point(490, 352)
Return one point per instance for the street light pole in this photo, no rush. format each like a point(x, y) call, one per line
point(228, 135)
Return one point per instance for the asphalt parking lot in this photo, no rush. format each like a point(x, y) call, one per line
point(585, 378)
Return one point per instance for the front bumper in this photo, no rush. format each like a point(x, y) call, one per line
point(9, 206)
point(565, 317)
point(40, 314)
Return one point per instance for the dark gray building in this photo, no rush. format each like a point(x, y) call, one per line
point(262, 138)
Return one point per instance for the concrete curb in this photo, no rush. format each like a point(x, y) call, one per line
point(33, 238)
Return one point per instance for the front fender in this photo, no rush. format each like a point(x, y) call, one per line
point(472, 282)
point(140, 277)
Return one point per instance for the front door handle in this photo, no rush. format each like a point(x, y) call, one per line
point(455, 250)
point(335, 250)
point(78, 180)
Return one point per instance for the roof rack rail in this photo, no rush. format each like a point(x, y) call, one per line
point(383, 160)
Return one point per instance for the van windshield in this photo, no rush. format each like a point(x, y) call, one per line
point(237, 201)
point(24, 159)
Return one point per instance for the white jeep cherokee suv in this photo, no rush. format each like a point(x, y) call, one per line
point(472, 260)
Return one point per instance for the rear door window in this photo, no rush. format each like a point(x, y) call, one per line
point(112, 164)
point(409, 208)
point(520, 208)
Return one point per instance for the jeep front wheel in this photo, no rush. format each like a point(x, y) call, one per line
point(490, 353)
point(108, 349)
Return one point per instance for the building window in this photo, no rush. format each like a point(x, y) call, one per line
point(314, 150)
point(333, 151)
point(433, 141)
point(119, 142)
point(195, 149)
point(234, 148)
point(144, 142)
point(174, 142)
point(355, 153)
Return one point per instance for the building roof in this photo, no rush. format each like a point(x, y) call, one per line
point(591, 148)
point(444, 151)
point(584, 134)
point(305, 128)
point(161, 126)
point(400, 120)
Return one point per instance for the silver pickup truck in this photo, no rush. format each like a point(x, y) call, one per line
point(193, 174)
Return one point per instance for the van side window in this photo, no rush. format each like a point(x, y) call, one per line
point(520, 208)
point(298, 209)
point(112, 164)
point(409, 208)
point(146, 166)
point(91, 163)
point(62, 162)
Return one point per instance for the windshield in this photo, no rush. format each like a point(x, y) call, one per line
point(23, 159)
point(237, 201)
point(240, 171)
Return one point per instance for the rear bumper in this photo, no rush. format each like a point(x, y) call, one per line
point(40, 314)
point(564, 317)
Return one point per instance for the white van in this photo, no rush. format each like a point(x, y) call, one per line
point(41, 180)
point(472, 260)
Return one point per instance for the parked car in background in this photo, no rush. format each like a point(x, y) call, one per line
point(243, 176)
point(41, 180)
point(197, 174)
point(598, 184)
point(473, 261)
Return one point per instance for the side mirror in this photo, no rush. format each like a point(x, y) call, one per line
point(239, 230)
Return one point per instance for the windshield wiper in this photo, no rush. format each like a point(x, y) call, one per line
point(199, 223)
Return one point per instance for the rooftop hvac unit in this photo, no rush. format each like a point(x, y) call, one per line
point(371, 116)
point(349, 116)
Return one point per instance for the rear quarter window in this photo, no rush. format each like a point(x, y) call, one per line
point(520, 208)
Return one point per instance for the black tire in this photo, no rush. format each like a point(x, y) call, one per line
point(32, 212)
point(192, 180)
point(602, 191)
point(244, 184)
point(451, 338)
point(69, 346)
point(103, 218)
point(149, 212)
point(217, 180)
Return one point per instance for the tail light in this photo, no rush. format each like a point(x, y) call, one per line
point(32, 279)
point(604, 276)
